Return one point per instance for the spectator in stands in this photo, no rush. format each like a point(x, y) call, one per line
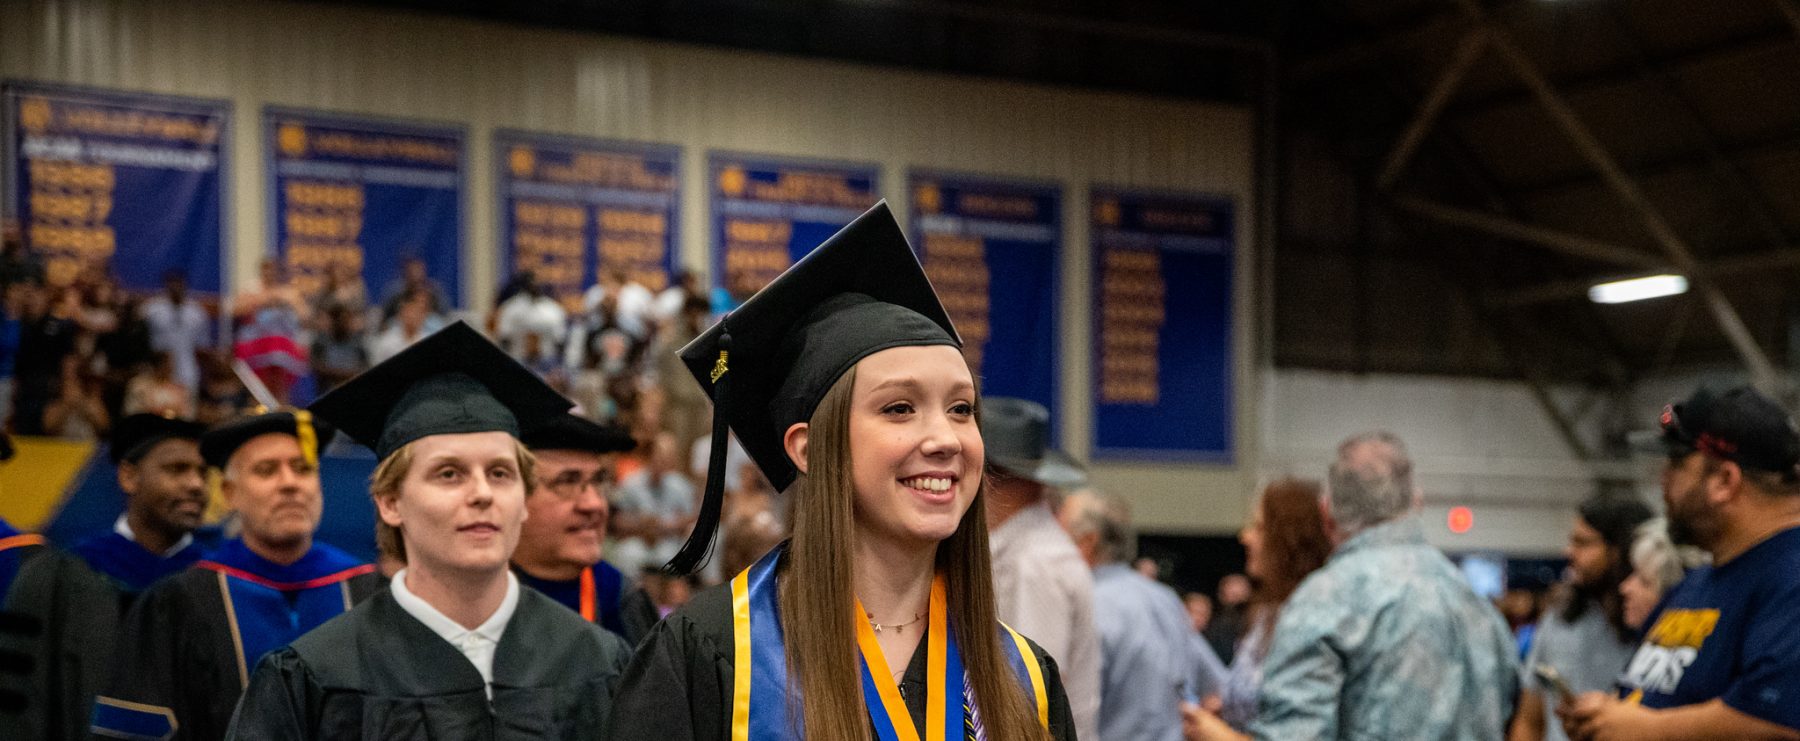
point(413, 278)
point(1200, 611)
point(45, 340)
point(752, 523)
point(1284, 542)
point(627, 303)
point(12, 327)
point(268, 322)
point(342, 288)
point(1657, 565)
point(342, 350)
point(178, 326)
point(1721, 656)
point(76, 411)
point(1042, 587)
point(654, 509)
point(687, 413)
point(1584, 636)
point(222, 394)
point(1387, 640)
point(531, 312)
point(673, 299)
point(1147, 655)
point(155, 391)
point(1522, 608)
point(411, 323)
point(1227, 628)
point(124, 352)
point(17, 263)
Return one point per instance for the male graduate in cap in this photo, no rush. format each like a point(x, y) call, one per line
point(455, 648)
point(560, 546)
point(191, 640)
point(80, 598)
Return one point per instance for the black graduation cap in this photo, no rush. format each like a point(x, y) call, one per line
point(570, 432)
point(450, 382)
point(768, 363)
point(217, 444)
point(136, 434)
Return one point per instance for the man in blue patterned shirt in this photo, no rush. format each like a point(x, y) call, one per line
point(1387, 641)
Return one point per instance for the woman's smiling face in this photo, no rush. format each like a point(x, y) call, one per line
point(915, 448)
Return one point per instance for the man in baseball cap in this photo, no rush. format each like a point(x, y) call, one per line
point(1721, 658)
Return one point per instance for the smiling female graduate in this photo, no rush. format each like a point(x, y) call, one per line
point(844, 380)
point(456, 649)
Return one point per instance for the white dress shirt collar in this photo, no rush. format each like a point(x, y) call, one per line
point(123, 528)
point(476, 645)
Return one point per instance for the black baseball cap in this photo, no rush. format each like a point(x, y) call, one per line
point(1741, 425)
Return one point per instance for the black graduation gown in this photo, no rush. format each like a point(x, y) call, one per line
point(180, 649)
point(679, 685)
point(378, 673)
point(76, 613)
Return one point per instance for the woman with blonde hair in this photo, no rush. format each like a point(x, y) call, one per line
point(844, 381)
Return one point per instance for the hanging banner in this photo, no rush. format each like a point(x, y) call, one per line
point(132, 183)
point(770, 211)
point(569, 208)
point(1162, 297)
point(991, 248)
point(365, 192)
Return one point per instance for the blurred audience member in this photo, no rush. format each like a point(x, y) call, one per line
point(75, 411)
point(531, 313)
point(17, 264)
point(1721, 656)
point(411, 323)
point(1042, 586)
point(1148, 659)
point(178, 326)
point(342, 350)
point(222, 394)
point(267, 323)
point(1387, 640)
point(1584, 636)
point(1227, 627)
point(1200, 611)
point(1285, 541)
point(1657, 565)
point(413, 278)
point(155, 391)
point(687, 412)
point(341, 289)
point(654, 509)
point(12, 328)
point(752, 522)
point(45, 341)
point(672, 300)
point(626, 301)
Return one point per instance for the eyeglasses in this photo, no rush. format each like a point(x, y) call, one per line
point(571, 484)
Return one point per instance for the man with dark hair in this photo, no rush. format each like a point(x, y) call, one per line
point(79, 599)
point(1583, 636)
point(1721, 657)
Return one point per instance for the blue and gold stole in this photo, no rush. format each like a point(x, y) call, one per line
point(764, 708)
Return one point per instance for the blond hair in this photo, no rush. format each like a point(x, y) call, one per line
point(390, 474)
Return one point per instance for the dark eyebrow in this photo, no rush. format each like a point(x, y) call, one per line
point(913, 384)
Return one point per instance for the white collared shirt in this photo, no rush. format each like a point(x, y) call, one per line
point(123, 528)
point(476, 645)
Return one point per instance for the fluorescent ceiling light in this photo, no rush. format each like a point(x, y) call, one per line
point(1638, 289)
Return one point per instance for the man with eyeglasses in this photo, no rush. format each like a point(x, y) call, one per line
point(561, 544)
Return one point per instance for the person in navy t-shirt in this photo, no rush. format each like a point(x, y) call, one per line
point(1721, 655)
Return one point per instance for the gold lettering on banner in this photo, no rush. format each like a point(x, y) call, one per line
point(755, 250)
point(636, 242)
point(323, 223)
point(798, 186)
point(69, 203)
point(1131, 320)
point(547, 240)
point(957, 266)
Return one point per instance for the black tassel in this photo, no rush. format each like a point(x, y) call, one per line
point(699, 544)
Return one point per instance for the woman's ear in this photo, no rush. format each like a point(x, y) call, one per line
point(387, 508)
point(795, 444)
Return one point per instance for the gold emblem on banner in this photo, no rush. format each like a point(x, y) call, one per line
point(928, 199)
point(522, 161)
point(1106, 212)
point(291, 139)
point(732, 181)
point(34, 114)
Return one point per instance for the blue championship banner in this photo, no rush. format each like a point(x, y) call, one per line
point(770, 211)
point(134, 183)
point(570, 207)
point(1162, 358)
point(364, 192)
point(991, 248)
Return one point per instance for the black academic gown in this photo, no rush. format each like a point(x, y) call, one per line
point(74, 614)
point(679, 685)
point(378, 673)
point(184, 643)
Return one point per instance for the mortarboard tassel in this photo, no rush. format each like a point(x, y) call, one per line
point(699, 543)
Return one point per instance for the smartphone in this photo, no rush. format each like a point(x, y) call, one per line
point(1553, 679)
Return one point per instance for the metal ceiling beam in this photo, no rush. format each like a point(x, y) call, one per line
point(1716, 269)
point(1448, 81)
point(1501, 226)
point(1670, 162)
point(1762, 372)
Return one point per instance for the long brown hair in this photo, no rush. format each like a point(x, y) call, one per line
point(818, 592)
point(1295, 544)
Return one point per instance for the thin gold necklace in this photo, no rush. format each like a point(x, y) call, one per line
point(896, 627)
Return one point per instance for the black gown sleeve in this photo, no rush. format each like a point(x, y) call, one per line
point(154, 666)
point(277, 704)
point(66, 616)
point(1062, 720)
point(678, 685)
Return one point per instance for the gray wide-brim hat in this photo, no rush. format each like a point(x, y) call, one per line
point(1016, 433)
